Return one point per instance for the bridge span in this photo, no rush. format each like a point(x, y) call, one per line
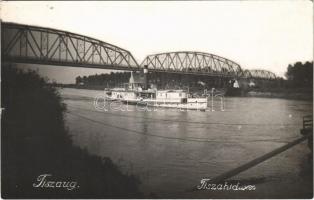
point(39, 45)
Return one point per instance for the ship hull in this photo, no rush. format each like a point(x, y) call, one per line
point(201, 105)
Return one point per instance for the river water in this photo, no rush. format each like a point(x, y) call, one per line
point(170, 150)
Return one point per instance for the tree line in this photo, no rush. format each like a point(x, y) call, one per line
point(107, 80)
point(300, 74)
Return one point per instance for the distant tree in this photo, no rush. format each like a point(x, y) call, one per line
point(78, 80)
point(84, 79)
point(300, 75)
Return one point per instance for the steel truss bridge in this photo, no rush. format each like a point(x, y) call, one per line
point(200, 63)
point(38, 45)
point(30, 44)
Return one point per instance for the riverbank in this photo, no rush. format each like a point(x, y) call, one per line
point(39, 159)
point(295, 94)
point(85, 87)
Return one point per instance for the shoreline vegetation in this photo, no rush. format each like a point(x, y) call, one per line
point(35, 143)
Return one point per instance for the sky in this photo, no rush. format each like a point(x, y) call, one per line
point(256, 34)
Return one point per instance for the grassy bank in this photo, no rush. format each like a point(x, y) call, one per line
point(35, 141)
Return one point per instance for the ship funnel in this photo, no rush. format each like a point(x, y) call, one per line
point(145, 70)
